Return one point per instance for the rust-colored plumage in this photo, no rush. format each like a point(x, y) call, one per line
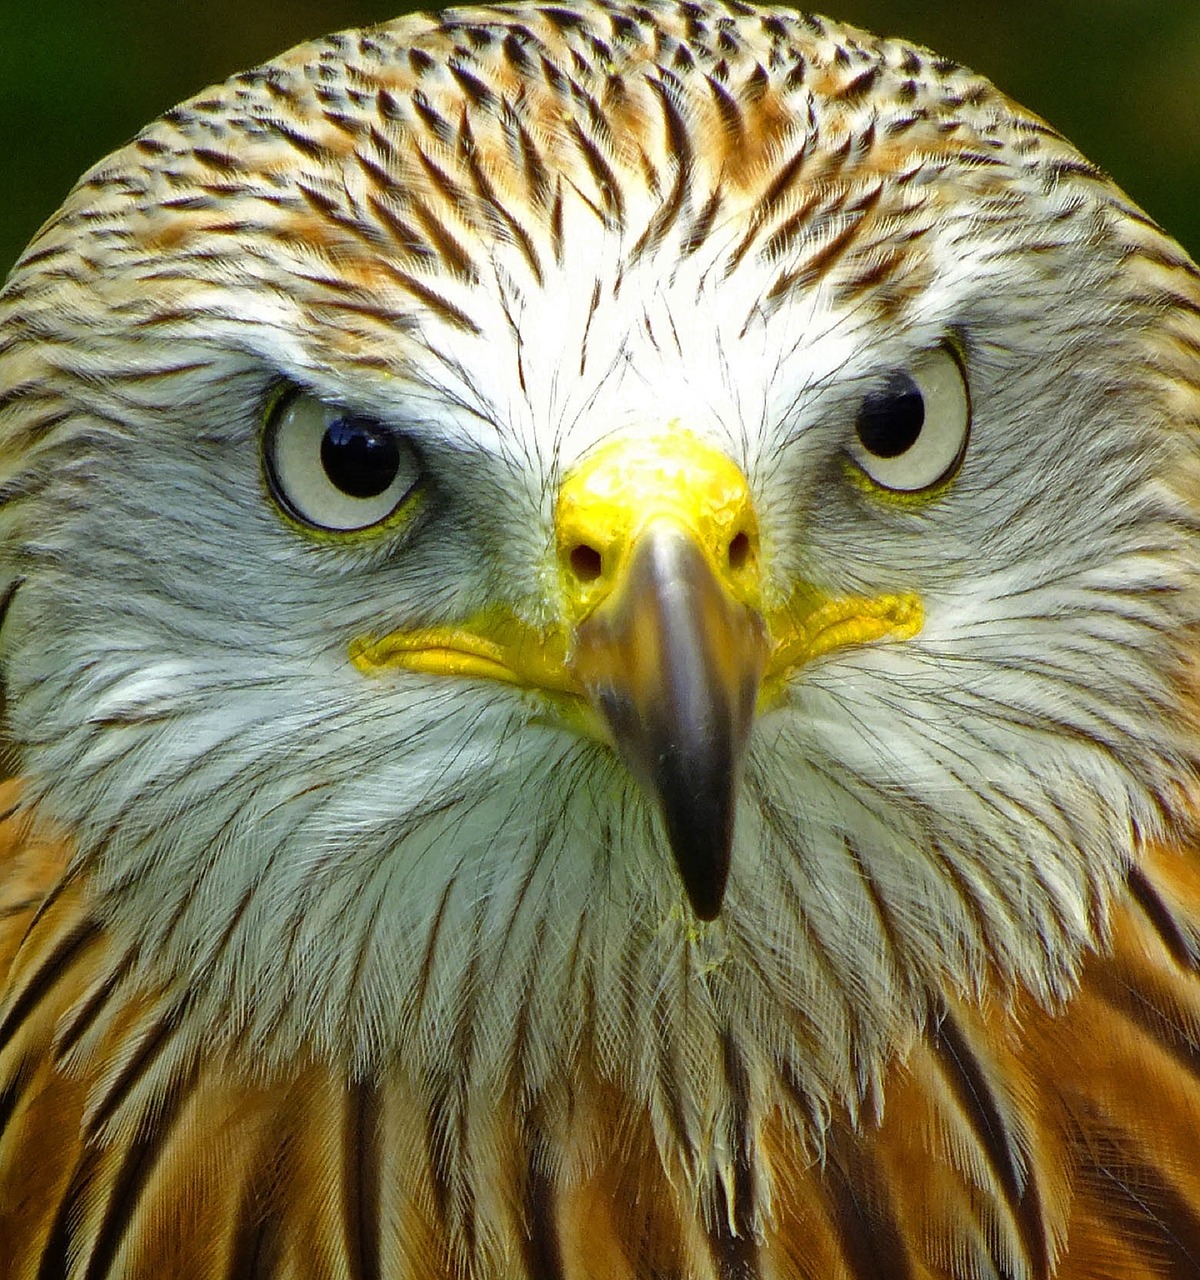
point(1013, 1140)
point(599, 651)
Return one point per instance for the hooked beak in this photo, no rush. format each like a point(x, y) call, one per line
point(658, 540)
point(661, 641)
point(673, 665)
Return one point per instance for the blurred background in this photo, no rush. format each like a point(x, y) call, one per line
point(1121, 78)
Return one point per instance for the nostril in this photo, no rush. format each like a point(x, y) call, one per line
point(586, 562)
point(739, 551)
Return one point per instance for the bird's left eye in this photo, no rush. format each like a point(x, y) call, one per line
point(911, 432)
point(333, 469)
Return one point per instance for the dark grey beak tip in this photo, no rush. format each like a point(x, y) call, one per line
point(706, 904)
point(697, 806)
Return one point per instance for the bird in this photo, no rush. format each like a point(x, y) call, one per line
point(600, 674)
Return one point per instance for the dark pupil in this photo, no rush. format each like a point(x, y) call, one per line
point(891, 419)
point(360, 457)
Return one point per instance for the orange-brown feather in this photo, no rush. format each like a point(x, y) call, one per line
point(1033, 1142)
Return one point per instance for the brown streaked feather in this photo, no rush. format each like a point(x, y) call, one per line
point(1014, 1142)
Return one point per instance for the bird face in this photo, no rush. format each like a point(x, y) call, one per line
point(521, 536)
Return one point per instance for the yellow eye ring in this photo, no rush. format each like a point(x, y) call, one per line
point(911, 432)
point(333, 470)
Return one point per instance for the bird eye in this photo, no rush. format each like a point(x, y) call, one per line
point(911, 433)
point(334, 469)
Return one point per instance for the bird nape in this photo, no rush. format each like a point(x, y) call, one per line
point(599, 647)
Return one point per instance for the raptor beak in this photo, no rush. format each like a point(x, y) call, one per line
point(658, 543)
point(657, 635)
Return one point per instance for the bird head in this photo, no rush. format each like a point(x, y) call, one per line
point(528, 528)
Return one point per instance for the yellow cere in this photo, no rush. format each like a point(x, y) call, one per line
point(632, 482)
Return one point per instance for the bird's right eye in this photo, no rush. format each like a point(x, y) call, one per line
point(333, 469)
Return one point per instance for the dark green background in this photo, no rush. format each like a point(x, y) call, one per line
point(1121, 78)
